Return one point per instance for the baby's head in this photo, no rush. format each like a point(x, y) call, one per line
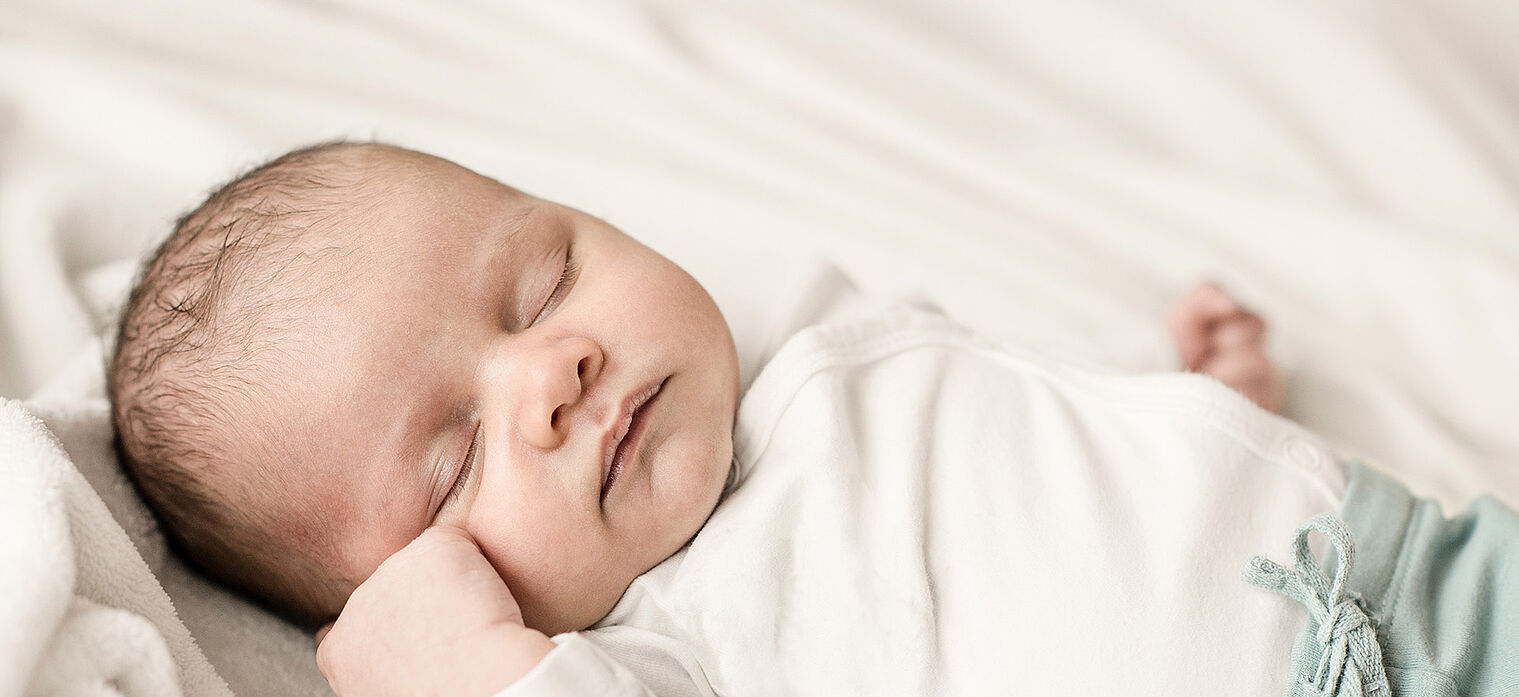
point(310, 360)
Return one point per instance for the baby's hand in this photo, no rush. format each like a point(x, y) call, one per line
point(434, 619)
point(1214, 335)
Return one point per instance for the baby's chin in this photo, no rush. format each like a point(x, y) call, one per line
point(713, 473)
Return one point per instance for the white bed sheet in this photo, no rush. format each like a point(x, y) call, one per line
point(1055, 173)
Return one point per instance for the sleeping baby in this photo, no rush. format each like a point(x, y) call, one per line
point(502, 445)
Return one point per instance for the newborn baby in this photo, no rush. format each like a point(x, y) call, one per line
point(368, 384)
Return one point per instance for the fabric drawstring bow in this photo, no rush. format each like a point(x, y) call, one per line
point(1350, 662)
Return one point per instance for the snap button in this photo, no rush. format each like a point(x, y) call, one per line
point(1300, 453)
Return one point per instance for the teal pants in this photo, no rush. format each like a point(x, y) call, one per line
point(1410, 601)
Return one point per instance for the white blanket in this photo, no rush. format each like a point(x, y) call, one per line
point(1053, 173)
point(83, 614)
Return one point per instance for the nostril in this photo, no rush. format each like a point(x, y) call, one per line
point(554, 418)
point(580, 367)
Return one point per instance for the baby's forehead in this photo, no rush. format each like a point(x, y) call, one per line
point(403, 210)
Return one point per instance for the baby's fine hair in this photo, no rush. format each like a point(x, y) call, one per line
point(199, 335)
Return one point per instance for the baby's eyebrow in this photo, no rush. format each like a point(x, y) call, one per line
point(417, 448)
point(520, 217)
point(500, 235)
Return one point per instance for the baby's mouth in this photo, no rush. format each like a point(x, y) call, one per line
point(629, 433)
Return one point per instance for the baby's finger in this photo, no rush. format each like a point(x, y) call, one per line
point(445, 534)
point(1242, 332)
point(1191, 321)
point(1238, 367)
point(1191, 344)
point(1203, 305)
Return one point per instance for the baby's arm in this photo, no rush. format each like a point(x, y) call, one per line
point(433, 619)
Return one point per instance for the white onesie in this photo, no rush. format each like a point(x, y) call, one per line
point(917, 511)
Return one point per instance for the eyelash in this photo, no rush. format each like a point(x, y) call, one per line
point(567, 278)
point(464, 471)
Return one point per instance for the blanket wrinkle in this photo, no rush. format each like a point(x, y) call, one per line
point(106, 651)
point(80, 611)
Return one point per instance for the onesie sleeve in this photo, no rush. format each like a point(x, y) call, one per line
point(576, 667)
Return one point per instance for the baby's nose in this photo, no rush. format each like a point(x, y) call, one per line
point(551, 381)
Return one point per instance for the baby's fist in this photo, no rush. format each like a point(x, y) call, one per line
point(434, 618)
point(1218, 337)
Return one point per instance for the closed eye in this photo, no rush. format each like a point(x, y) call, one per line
point(465, 470)
point(567, 278)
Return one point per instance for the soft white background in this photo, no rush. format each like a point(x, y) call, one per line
point(1052, 173)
